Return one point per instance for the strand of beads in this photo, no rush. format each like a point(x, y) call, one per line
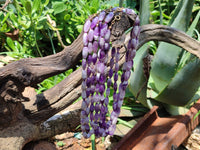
point(126, 69)
point(96, 39)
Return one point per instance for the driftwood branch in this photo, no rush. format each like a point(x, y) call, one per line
point(153, 32)
point(69, 89)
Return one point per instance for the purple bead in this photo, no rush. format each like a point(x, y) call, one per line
point(84, 74)
point(94, 22)
point(120, 102)
point(107, 92)
point(106, 101)
point(95, 46)
point(107, 36)
point(87, 127)
point(98, 76)
point(129, 45)
point(101, 43)
point(94, 125)
point(127, 55)
point(85, 120)
point(96, 107)
point(102, 97)
point(133, 43)
point(129, 65)
point(97, 87)
point(83, 85)
point(85, 39)
point(117, 56)
point(96, 116)
point(92, 88)
point(101, 131)
point(96, 33)
point(102, 55)
point(107, 46)
point(116, 67)
point(115, 87)
point(83, 114)
point(109, 82)
point(96, 98)
point(110, 74)
point(92, 107)
point(90, 35)
point(100, 68)
point(113, 52)
point(121, 87)
point(89, 59)
point(87, 26)
point(111, 62)
point(114, 121)
point(101, 89)
point(111, 129)
point(85, 52)
point(137, 21)
point(124, 67)
point(84, 63)
point(115, 95)
point(88, 92)
point(114, 115)
point(115, 8)
point(90, 47)
point(109, 17)
point(133, 53)
point(135, 32)
point(84, 105)
point(102, 15)
point(88, 71)
point(94, 58)
point(115, 76)
point(91, 114)
point(124, 85)
point(121, 94)
point(102, 79)
point(87, 111)
point(127, 75)
point(130, 11)
point(103, 29)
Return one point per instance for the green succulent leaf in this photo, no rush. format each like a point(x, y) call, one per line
point(183, 86)
point(165, 60)
point(144, 12)
point(137, 79)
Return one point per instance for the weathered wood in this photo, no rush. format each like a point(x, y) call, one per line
point(28, 72)
point(16, 136)
point(31, 71)
point(154, 32)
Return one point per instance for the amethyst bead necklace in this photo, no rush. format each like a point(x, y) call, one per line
point(96, 83)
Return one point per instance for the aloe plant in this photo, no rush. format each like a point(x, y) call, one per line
point(174, 78)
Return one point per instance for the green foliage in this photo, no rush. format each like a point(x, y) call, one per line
point(174, 76)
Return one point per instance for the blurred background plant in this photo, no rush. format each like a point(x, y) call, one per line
point(25, 31)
